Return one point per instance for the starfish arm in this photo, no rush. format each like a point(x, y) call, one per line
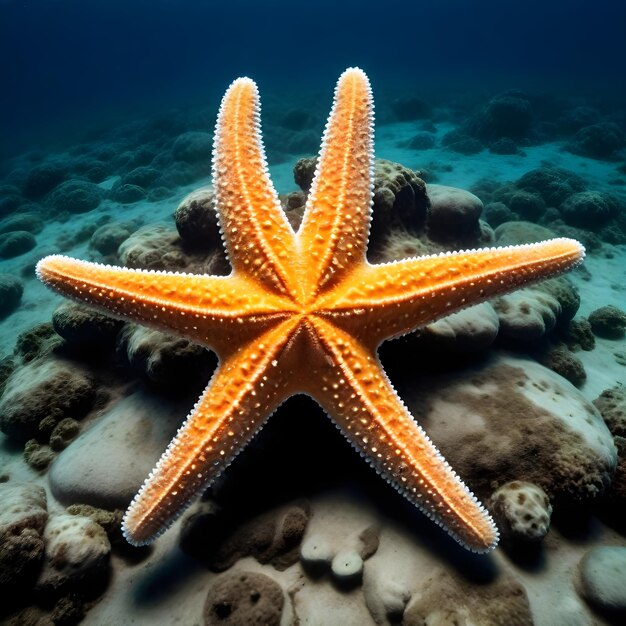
point(247, 387)
point(207, 309)
point(259, 240)
point(336, 221)
point(395, 298)
point(361, 400)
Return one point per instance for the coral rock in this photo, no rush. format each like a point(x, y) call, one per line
point(15, 243)
point(48, 390)
point(513, 419)
point(83, 326)
point(612, 406)
point(11, 290)
point(238, 598)
point(196, 220)
point(608, 322)
point(77, 550)
point(23, 516)
point(522, 511)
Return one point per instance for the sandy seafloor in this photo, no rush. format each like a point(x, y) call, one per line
point(167, 586)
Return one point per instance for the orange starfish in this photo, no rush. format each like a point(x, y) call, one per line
point(304, 313)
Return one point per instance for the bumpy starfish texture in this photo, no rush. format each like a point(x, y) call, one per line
point(304, 313)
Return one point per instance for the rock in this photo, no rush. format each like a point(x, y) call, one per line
point(589, 209)
point(400, 244)
point(107, 463)
point(238, 598)
point(111, 521)
point(453, 212)
point(400, 198)
point(522, 511)
point(142, 176)
point(36, 342)
point(39, 395)
point(127, 194)
point(63, 434)
point(15, 243)
point(529, 205)
point(38, 456)
point(602, 573)
point(553, 184)
point(462, 143)
point(76, 196)
point(273, 537)
point(506, 115)
point(22, 221)
point(497, 213)
point(158, 247)
point(293, 205)
point(196, 220)
point(608, 322)
point(193, 147)
point(85, 327)
point(42, 179)
point(515, 233)
point(598, 141)
point(168, 361)
point(341, 549)
point(612, 406)
point(23, 516)
point(504, 146)
point(470, 330)
point(77, 551)
point(512, 419)
point(347, 568)
point(527, 315)
point(410, 108)
point(303, 172)
point(578, 335)
point(107, 239)
point(421, 141)
point(11, 290)
point(560, 360)
point(448, 599)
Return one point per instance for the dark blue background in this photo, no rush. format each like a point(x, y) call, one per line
point(70, 62)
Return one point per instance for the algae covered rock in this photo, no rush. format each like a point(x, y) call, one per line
point(11, 290)
point(608, 322)
point(553, 184)
point(512, 419)
point(240, 597)
point(15, 243)
point(171, 362)
point(83, 326)
point(77, 550)
point(196, 220)
point(39, 395)
point(612, 406)
point(76, 196)
point(23, 516)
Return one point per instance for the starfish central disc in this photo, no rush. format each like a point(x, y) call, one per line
point(304, 313)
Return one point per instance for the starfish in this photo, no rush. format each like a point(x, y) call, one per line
point(304, 312)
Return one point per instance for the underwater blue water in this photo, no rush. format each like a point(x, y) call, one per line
point(68, 63)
